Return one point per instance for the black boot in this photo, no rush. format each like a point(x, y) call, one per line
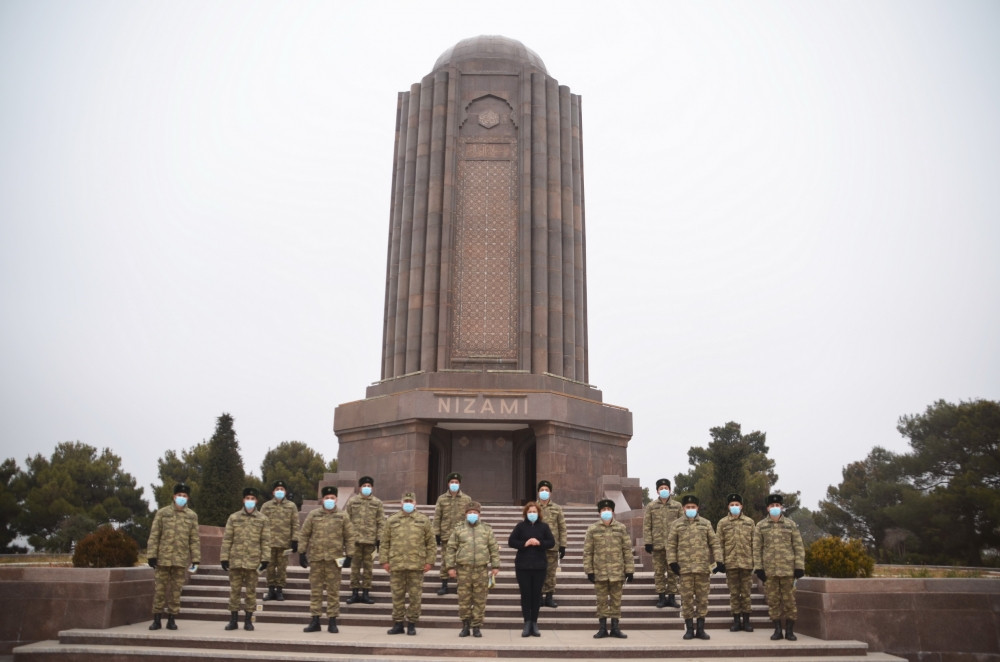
point(156, 622)
point(534, 629)
point(789, 631)
point(662, 602)
point(279, 593)
point(397, 628)
point(603, 630)
point(549, 602)
point(314, 625)
point(700, 633)
point(354, 596)
point(777, 631)
point(465, 629)
point(476, 632)
point(444, 587)
point(332, 627)
point(672, 602)
point(233, 616)
point(272, 593)
point(526, 630)
point(248, 621)
point(170, 622)
point(366, 598)
point(737, 625)
point(746, 623)
point(616, 631)
point(689, 628)
point(411, 628)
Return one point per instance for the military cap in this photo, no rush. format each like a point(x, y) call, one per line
point(250, 491)
point(775, 498)
point(544, 483)
point(454, 475)
point(689, 498)
point(366, 479)
point(328, 489)
point(409, 496)
point(605, 503)
point(663, 481)
point(277, 484)
point(473, 505)
point(734, 497)
point(181, 487)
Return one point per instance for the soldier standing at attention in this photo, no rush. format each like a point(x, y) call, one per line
point(735, 532)
point(245, 549)
point(408, 551)
point(326, 535)
point(552, 514)
point(692, 546)
point(367, 517)
point(449, 511)
point(607, 560)
point(471, 548)
point(173, 543)
point(779, 558)
point(660, 513)
point(283, 516)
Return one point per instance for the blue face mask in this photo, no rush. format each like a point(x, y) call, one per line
point(664, 494)
point(735, 510)
point(180, 501)
point(366, 491)
point(329, 503)
point(408, 507)
point(279, 494)
point(472, 518)
point(691, 512)
point(454, 487)
point(606, 515)
point(250, 505)
point(775, 511)
point(532, 517)
point(544, 495)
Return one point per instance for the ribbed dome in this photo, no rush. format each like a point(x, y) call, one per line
point(491, 52)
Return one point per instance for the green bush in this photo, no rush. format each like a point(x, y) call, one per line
point(833, 557)
point(106, 548)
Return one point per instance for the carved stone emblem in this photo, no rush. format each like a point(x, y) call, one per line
point(489, 119)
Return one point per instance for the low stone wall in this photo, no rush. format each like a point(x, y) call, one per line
point(38, 602)
point(923, 620)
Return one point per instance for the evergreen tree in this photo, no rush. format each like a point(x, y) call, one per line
point(298, 465)
point(223, 477)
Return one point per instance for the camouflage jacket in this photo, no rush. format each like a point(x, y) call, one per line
point(472, 545)
point(246, 541)
point(552, 514)
point(607, 552)
point(693, 545)
point(367, 517)
point(284, 518)
point(777, 547)
point(407, 542)
point(326, 535)
point(736, 537)
point(173, 537)
point(656, 521)
point(449, 511)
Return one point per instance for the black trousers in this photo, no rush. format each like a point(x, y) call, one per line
point(530, 583)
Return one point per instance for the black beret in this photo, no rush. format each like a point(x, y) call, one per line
point(774, 498)
point(454, 475)
point(366, 479)
point(277, 484)
point(689, 498)
point(328, 489)
point(544, 483)
point(663, 481)
point(734, 497)
point(181, 487)
point(605, 503)
point(250, 491)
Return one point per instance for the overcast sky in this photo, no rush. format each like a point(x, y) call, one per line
point(793, 216)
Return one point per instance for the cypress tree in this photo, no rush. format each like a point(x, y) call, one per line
point(222, 482)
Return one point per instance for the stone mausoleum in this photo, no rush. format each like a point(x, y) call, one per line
point(484, 353)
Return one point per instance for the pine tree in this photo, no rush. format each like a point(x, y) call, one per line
point(222, 482)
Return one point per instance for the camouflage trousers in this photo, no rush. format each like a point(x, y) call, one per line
point(694, 594)
point(609, 598)
point(444, 570)
point(240, 578)
point(472, 590)
point(406, 583)
point(780, 593)
point(277, 569)
point(324, 576)
point(552, 557)
point(362, 564)
point(739, 581)
point(666, 581)
point(168, 580)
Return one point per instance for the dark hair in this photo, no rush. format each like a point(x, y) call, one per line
point(524, 511)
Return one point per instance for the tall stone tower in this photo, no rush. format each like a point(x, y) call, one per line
point(484, 353)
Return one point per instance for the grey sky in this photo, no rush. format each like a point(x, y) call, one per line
point(792, 216)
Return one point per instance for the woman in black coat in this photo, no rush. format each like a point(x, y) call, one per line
point(531, 538)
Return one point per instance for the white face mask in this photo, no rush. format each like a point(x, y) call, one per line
point(366, 491)
point(329, 503)
point(279, 494)
point(408, 507)
point(250, 504)
point(544, 495)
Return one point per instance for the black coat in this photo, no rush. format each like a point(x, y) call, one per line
point(531, 558)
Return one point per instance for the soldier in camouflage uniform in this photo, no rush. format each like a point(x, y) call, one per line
point(692, 547)
point(367, 517)
point(735, 532)
point(326, 535)
point(245, 549)
point(659, 514)
point(779, 558)
point(449, 511)
point(472, 556)
point(607, 560)
point(408, 552)
point(552, 514)
point(173, 544)
point(283, 516)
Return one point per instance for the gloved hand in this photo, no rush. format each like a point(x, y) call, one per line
point(675, 568)
point(799, 573)
point(438, 539)
point(295, 546)
point(151, 562)
point(590, 577)
point(303, 561)
point(562, 552)
point(263, 566)
point(720, 567)
point(377, 543)
point(225, 565)
point(761, 575)
point(649, 547)
point(347, 562)
point(629, 577)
